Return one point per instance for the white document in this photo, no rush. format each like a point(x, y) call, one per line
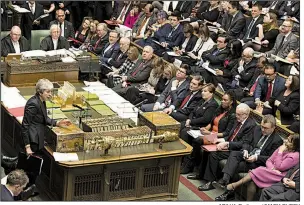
point(68, 59)
point(157, 42)
point(171, 53)
point(195, 133)
point(124, 31)
point(97, 83)
point(177, 62)
point(209, 69)
point(20, 10)
point(34, 53)
point(65, 157)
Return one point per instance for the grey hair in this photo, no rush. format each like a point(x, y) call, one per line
point(150, 48)
point(17, 177)
point(244, 108)
point(269, 119)
point(126, 40)
point(249, 51)
point(104, 26)
point(43, 84)
point(53, 26)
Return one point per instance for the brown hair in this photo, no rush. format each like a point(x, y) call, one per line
point(210, 87)
point(133, 53)
point(204, 31)
point(295, 83)
point(273, 24)
point(158, 66)
point(171, 69)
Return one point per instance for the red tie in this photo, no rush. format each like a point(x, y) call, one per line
point(252, 89)
point(269, 91)
point(96, 44)
point(236, 130)
point(185, 101)
point(138, 68)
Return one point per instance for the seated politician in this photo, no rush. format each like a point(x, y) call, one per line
point(14, 42)
point(54, 41)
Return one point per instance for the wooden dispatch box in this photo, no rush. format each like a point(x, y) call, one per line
point(65, 139)
point(159, 122)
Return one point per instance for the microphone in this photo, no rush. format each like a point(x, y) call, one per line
point(142, 102)
point(77, 106)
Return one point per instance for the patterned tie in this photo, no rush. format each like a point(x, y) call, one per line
point(141, 26)
point(123, 13)
point(261, 142)
point(269, 90)
point(96, 44)
point(60, 26)
point(32, 8)
point(252, 89)
point(280, 46)
point(236, 130)
point(249, 28)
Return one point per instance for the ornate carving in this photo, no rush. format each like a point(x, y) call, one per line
point(156, 180)
point(122, 184)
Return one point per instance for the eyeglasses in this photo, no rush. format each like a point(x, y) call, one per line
point(285, 26)
point(182, 71)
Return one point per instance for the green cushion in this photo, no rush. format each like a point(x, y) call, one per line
point(37, 37)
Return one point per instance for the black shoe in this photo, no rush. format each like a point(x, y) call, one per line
point(228, 195)
point(8, 166)
point(222, 183)
point(193, 176)
point(29, 193)
point(9, 159)
point(206, 187)
point(186, 169)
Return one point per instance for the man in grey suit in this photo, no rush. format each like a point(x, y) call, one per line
point(145, 19)
point(175, 91)
point(67, 29)
point(139, 74)
point(285, 42)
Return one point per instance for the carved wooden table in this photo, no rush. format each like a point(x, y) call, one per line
point(28, 73)
point(142, 172)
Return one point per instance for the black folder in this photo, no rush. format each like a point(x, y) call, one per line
point(30, 163)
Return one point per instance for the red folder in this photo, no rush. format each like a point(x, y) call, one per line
point(113, 23)
point(209, 147)
point(16, 112)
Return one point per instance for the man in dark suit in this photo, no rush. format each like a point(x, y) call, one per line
point(67, 29)
point(235, 23)
point(215, 56)
point(185, 106)
point(185, 8)
point(110, 50)
point(16, 182)
point(54, 41)
point(288, 189)
point(170, 36)
point(268, 88)
point(265, 141)
point(240, 135)
point(35, 118)
point(242, 72)
point(285, 41)
point(139, 74)
point(116, 61)
point(14, 42)
point(97, 43)
point(175, 91)
point(28, 20)
point(250, 30)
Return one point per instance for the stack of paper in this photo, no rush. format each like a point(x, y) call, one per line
point(65, 157)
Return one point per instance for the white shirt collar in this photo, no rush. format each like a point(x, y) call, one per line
point(9, 190)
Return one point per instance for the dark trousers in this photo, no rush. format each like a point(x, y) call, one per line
point(213, 163)
point(236, 164)
point(178, 116)
point(278, 192)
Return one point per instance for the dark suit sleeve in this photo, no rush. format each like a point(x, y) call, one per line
point(237, 28)
point(217, 59)
point(30, 111)
point(4, 49)
point(178, 96)
point(275, 145)
point(117, 62)
point(231, 120)
point(292, 106)
point(141, 76)
point(44, 44)
point(206, 118)
point(258, 89)
point(247, 135)
point(99, 48)
point(246, 76)
point(114, 54)
point(177, 42)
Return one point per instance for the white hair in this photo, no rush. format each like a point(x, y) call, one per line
point(244, 108)
point(54, 26)
point(43, 84)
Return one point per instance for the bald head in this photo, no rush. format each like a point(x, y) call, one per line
point(15, 33)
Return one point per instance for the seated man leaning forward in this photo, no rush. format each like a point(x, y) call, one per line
point(54, 41)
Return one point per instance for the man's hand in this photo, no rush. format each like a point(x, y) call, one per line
point(204, 131)
point(245, 154)
point(36, 22)
point(164, 44)
point(168, 110)
point(110, 74)
point(124, 84)
point(155, 107)
point(222, 146)
point(61, 5)
point(63, 123)
point(67, 12)
point(258, 102)
point(251, 159)
point(277, 103)
point(282, 148)
point(289, 183)
point(29, 150)
point(187, 124)
point(265, 42)
point(124, 78)
point(219, 72)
